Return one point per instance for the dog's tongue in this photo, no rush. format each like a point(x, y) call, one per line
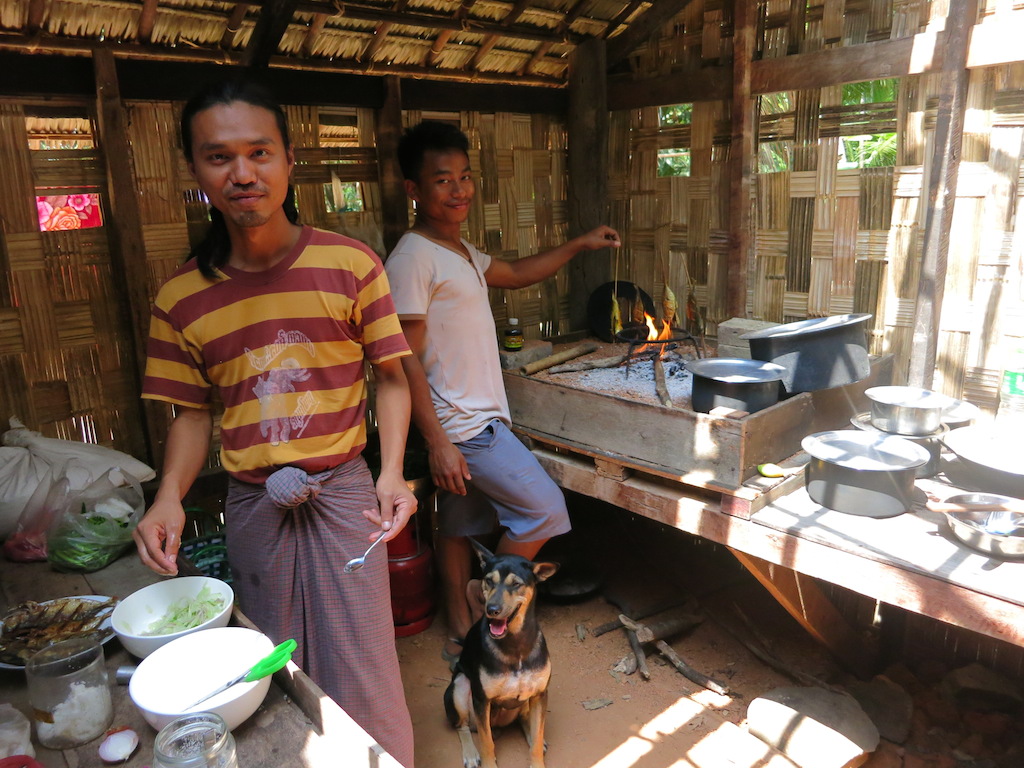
point(498, 627)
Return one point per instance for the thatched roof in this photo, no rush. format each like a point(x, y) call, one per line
point(525, 41)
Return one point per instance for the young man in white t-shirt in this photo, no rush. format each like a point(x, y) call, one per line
point(439, 284)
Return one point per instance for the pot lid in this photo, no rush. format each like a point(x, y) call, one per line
point(960, 412)
point(735, 370)
point(857, 449)
point(989, 445)
point(803, 327)
point(909, 397)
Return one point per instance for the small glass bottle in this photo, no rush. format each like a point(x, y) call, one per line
point(513, 335)
point(69, 693)
point(202, 740)
point(1011, 391)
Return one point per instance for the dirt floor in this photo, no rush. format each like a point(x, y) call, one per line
point(599, 716)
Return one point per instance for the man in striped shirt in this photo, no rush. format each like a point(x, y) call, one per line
point(277, 320)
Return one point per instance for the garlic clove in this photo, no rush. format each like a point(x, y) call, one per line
point(118, 745)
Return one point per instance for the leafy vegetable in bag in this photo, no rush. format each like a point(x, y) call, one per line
point(96, 525)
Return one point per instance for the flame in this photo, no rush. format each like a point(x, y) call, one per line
point(653, 332)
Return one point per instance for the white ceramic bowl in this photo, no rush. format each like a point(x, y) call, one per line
point(173, 677)
point(143, 608)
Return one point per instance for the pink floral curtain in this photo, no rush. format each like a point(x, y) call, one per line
point(58, 212)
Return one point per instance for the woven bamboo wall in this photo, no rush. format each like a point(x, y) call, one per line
point(66, 359)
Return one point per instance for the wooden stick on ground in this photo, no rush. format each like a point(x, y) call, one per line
point(587, 365)
point(665, 605)
point(659, 382)
point(558, 357)
point(638, 651)
point(660, 630)
point(689, 672)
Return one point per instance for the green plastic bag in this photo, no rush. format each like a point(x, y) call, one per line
point(95, 526)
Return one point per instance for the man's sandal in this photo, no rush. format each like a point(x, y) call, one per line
point(452, 657)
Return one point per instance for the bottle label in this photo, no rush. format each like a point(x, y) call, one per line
point(1013, 383)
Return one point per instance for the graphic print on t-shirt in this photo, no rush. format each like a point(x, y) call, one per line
point(271, 389)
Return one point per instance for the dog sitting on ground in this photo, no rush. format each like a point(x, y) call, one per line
point(504, 668)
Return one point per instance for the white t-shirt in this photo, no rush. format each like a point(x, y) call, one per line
point(461, 356)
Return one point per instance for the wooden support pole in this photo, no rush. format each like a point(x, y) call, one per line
point(587, 128)
point(741, 160)
point(394, 203)
point(805, 602)
point(942, 172)
point(127, 246)
point(275, 16)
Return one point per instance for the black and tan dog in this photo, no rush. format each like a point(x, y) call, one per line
point(504, 668)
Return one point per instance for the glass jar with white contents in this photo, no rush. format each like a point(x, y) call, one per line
point(69, 693)
point(202, 740)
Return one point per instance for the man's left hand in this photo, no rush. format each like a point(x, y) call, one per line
point(397, 505)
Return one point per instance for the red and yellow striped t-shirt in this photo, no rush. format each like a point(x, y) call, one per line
point(283, 347)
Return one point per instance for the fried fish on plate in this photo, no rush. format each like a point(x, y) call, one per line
point(30, 626)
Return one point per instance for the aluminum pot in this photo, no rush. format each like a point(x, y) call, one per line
point(931, 443)
point(737, 383)
point(907, 410)
point(820, 353)
point(969, 527)
point(991, 458)
point(861, 473)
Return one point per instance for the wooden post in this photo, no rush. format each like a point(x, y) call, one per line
point(394, 205)
point(127, 246)
point(587, 128)
point(741, 160)
point(942, 174)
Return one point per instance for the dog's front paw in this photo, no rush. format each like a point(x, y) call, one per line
point(470, 762)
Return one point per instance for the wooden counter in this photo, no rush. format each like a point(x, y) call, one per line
point(911, 560)
point(297, 725)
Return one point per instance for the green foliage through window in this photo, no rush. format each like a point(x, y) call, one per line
point(679, 114)
point(343, 197)
point(872, 151)
point(870, 92)
point(674, 162)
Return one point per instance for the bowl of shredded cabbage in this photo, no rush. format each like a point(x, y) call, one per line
point(155, 615)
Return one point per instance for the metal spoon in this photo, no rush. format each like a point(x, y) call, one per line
point(357, 562)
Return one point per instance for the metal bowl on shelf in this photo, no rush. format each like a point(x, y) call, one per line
point(973, 527)
point(931, 443)
point(733, 382)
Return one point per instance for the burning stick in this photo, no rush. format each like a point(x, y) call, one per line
point(659, 382)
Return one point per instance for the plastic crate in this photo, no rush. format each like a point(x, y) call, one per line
point(209, 554)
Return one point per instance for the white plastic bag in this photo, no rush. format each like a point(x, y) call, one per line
point(20, 474)
point(15, 733)
point(96, 458)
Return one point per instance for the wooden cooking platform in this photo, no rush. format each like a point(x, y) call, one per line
point(771, 525)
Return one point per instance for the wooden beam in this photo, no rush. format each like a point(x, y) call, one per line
point(852, 64)
point(439, 43)
point(941, 172)
point(309, 42)
point(537, 58)
point(706, 84)
point(615, 22)
point(128, 249)
point(742, 154)
point(153, 53)
point(275, 16)
point(637, 33)
point(380, 34)
point(146, 20)
point(227, 40)
point(36, 14)
point(805, 602)
point(587, 129)
point(491, 40)
point(393, 201)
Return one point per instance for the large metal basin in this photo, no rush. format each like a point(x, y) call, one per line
point(907, 410)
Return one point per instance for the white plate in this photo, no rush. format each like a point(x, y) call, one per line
point(105, 625)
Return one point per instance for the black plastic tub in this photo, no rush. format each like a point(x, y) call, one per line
point(736, 383)
point(820, 353)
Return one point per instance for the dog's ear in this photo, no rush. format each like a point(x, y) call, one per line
point(544, 571)
point(481, 551)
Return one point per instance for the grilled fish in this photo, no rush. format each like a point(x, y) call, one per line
point(31, 626)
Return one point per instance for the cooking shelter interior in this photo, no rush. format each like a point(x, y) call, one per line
point(772, 161)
